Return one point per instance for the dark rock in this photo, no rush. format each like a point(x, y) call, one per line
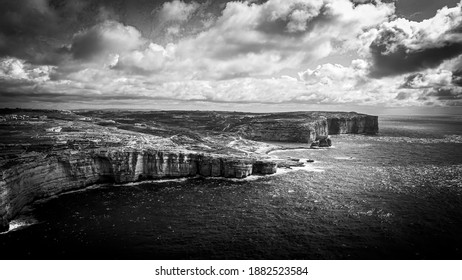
point(289, 164)
point(309, 160)
point(325, 142)
point(264, 167)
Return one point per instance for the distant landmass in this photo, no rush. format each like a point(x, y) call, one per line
point(48, 152)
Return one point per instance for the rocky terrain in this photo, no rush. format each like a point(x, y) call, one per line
point(45, 153)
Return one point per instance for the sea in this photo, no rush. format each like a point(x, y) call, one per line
point(396, 195)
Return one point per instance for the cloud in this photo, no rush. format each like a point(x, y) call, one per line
point(328, 74)
point(446, 93)
point(429, 79)
point(177, 19)
point(403, 46)
point(457, 77)
point(151, 59)
point(248, 52)
point(177, 10)
point(334, 83)
point(448, 96)
point(262, 39)
point(243, 42)
point(17, 69)
point(108, 37)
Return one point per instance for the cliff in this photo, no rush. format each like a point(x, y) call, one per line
point(45, 177)
point(304, 127)
point(283, 130)
point(357, 124)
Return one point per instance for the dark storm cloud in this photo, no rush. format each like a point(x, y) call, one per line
point(409, 80)
point(401, 59)
point(27, 29)
point(446, 93)
point(457, 77)
point(403, 46)
point(37, 30)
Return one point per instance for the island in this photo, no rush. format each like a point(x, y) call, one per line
point(48, 152)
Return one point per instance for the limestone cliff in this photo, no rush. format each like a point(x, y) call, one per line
point(283, 130)
point(358, 124)
point(44, 177)
point(305, 127)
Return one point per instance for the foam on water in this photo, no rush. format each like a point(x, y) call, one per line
point(20, 223)
point(307, 167)
point(159, 181)
point(285, 150)
point(345, 158)
point(446, 139)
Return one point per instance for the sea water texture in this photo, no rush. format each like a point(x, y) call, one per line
point(397, 195)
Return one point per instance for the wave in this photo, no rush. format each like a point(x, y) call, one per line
point(159, 181)
point(248, 178)
point(455, 139)
point(345, 158)
point(20, 223)
point(307, 167)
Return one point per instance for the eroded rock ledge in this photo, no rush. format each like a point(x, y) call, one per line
point(46, 177)
point(45, 153)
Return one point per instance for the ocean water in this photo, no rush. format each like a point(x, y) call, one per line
point(397, 195)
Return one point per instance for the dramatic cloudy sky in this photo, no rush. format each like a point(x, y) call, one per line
point(275, 55)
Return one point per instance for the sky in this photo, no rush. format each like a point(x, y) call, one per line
point(371, 56)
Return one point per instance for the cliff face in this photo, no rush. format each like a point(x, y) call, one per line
point(307, 128)
point(45, 177)
point(284, 130)
point(360, 124)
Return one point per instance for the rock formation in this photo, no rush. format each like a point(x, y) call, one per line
point(322, 142)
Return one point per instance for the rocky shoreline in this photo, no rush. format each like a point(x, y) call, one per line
point(66, 151)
